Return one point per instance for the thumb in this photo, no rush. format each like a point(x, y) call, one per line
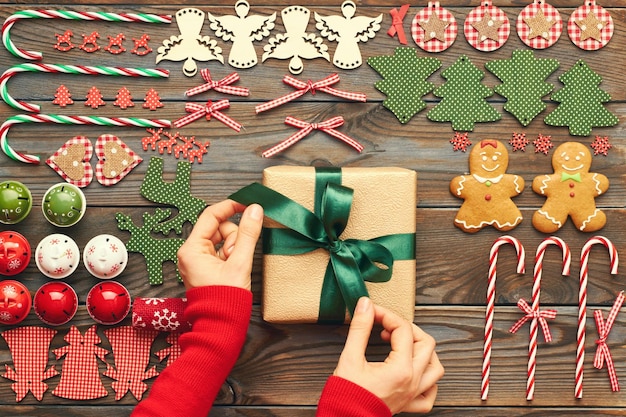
point(360, 328)
point(247, 235)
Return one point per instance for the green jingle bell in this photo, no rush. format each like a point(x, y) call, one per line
point(15, 202)
point(64, 205)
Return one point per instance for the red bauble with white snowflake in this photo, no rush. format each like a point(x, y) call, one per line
point(590, 27)
point(486, 27)
point(55, 303)
point(108, 303)
point(14, 253)
point(539, 25)
point(15, 302)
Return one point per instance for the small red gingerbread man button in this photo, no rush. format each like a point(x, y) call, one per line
point(570, 191)
point(487, 190)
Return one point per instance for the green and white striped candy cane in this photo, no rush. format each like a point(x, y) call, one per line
point(67, 120)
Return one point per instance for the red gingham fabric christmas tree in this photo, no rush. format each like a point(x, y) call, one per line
point(131, 350)
point(80, 377)
point(29, 347)
point(172, 352)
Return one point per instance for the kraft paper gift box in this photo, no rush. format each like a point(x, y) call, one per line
point(383, 205)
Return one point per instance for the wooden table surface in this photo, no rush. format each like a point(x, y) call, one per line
point(282, 368)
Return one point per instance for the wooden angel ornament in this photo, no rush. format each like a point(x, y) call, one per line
point(296, 44)
point(189, 46)
point(242, 30)
point(348, 31)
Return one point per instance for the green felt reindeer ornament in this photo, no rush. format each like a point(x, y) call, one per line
point(176, 193)
point(156, 251)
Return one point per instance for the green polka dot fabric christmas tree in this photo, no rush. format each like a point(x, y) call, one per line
point(404, 80)
point(523, 83)
point(463, 97)
point(581, 99)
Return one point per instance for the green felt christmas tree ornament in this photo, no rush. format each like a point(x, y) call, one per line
point(523, 83)
point(463, 97)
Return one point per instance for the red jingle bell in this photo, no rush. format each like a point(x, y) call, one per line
point(15, 302)
point(14, 253)
point(55, 303)
point(108, 303)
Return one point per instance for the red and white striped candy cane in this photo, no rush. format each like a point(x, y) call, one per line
point(534, 324)
point(69, 15)
point(67, 120)
point(491, 299)
point(68, 69)
point(582, 303)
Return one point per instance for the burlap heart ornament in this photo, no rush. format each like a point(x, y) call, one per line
point(115, 160)
point(71, 161)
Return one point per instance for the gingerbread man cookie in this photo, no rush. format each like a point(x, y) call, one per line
point(570, 191)
point(487, 190)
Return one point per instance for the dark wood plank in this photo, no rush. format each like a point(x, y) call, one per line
point(283, 367)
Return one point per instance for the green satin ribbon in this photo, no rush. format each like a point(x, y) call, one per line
point(565, 176)
point(352, 261)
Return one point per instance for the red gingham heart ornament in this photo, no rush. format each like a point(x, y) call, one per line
point(71, 161)
point(539, 25)
point(486, 27)
point(434, 28)
point(115, 160)
point(590, 27)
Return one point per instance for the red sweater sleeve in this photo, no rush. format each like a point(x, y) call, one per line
point(219, 316)
point(342, 398)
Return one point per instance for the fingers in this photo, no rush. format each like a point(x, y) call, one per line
point(423, 403)
point(209, 221)
point(400, 334)
point(360, 329)
point(241, 251)
point(432, 374)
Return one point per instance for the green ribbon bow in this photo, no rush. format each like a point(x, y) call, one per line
point(352, 261)
point(565, 176)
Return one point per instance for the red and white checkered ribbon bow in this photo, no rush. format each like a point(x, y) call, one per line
point(397, 18)
point(327, 126)
point(602, 351)
point(304, 87)
point(534, 314)
point(223, 85)
point(209, 110)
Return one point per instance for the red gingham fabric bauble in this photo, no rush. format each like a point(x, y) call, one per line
point(477, 15)
point(434, 44)
point(575, 32)
point(550, 13)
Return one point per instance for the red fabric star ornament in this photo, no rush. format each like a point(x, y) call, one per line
point(460, 142)
point(601, 145)
point(518, 142)
point(543, 144)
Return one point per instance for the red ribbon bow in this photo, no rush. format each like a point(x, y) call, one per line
point(396, 23)
point(534, 314)
point(602, 352)
point(223, 85)
point(304, 87)
point(209, 110)
point(327, 126)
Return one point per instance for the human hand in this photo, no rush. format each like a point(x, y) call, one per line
point(201, 259)
point(406, 380)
